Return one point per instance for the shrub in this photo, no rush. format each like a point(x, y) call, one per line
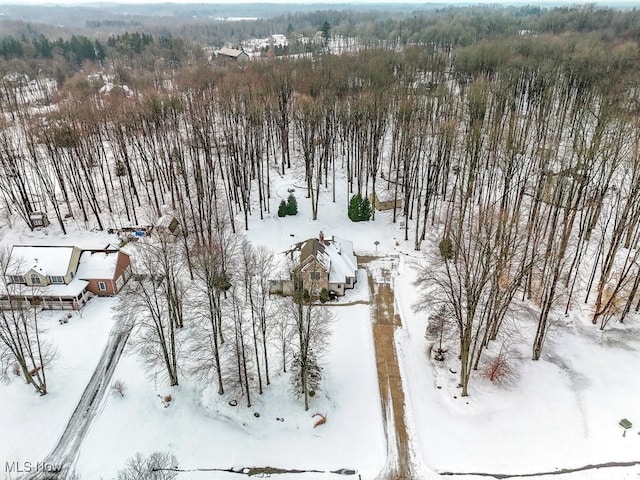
point(119, 388)
point(446, 248)
point(324, 295)
point(157, 466)
point(282, 209)
point(499, 369)
point(292, 205)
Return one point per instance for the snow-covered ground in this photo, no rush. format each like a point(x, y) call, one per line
point(560, 412)
point(30, 425)
point(205, 432)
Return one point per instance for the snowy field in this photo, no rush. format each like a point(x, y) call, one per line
point(204, 432)
point(559, 413)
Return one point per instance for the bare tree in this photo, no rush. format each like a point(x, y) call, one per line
point(152, 302)
point(157, 466)
point(20, 333)
point(312, 332)
point(213, 266)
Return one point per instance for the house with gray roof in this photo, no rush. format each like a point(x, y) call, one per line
point(321, 263)
point(232, 54)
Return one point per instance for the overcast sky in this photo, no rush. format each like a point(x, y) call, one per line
point(545, 3)
point(84, 2)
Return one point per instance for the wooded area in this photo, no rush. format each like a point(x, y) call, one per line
point(518, 142)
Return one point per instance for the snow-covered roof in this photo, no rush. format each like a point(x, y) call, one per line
point(335, 255)
point(48, 260)
point(73, 289)
point(343, 260)
point(97, 265)
point(230, 52)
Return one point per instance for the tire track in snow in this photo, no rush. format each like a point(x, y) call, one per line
point(65, 452)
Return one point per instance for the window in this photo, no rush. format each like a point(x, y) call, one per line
point(57, 279)
point(17, 279)
point(35, 279)
point(315, 275)
point(102, 286)
point(339, 286)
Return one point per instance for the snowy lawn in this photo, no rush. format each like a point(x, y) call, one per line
point(30, 425)
point(204, 431)
point(560, 412)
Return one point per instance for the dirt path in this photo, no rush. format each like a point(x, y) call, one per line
point(386, 320)
point(59, 463)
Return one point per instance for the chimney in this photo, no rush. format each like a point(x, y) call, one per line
point(321, 236)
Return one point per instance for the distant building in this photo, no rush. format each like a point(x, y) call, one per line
point(232, 54)
point(279, 40)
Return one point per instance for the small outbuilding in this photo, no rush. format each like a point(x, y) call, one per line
point(38, 219)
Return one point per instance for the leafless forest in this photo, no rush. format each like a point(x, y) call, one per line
point(520, 153)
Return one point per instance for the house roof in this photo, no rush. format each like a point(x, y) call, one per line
point(98, 265)
point(343, 260)
point(335, 255)
point(230, 52)
point(47, 260)
point(73, 289)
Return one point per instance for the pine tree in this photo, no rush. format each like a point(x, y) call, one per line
point(364, 210)
point(292, 205)
point(354, 207)
point(282, 209)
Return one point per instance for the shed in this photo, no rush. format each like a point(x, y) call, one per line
point(38, 219)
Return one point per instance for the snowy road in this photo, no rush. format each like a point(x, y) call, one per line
point(63, 456)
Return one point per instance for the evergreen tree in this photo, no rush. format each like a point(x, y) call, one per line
point(364, 210)
point(313, 373)
point(324, 295)
point(354, 207)
point(282, 209)
point(292, 205)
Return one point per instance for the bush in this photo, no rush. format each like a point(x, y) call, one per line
point(499, 369)
point(157, 466)
point(119, 388)
point(292, 205)
point(324, 295)
point(282, 209)
point(446, 248)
